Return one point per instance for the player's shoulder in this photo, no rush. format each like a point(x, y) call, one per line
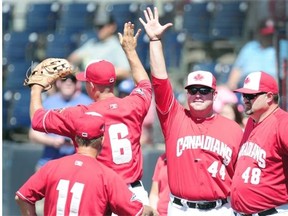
point(143, 89)
point(281, 116)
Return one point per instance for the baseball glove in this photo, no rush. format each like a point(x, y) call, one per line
point(47, 72)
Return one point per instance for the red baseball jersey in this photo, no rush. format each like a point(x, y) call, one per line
point(160, 176)
point(123, 121)
point(79, 185)
point(200, 154)
point(261, 177)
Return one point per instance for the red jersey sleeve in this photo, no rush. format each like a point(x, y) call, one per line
point(164, 96)
point(57, 121)
point(34, 188)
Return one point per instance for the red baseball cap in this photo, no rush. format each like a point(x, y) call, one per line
point(258, 82)
point(89, 125)
point(99, 72)
point(267, 27)
point(204, 78)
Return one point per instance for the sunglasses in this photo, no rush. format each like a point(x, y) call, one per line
point(201, 90)
point(252, 96)
point(98, 27)
point(71, 77)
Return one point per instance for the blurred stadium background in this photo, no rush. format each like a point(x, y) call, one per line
point(206, 35)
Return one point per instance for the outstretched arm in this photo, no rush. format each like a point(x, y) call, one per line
point(155, 31)
point(35, 100)
point(129, 42)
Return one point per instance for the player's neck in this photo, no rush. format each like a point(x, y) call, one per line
point(87, 151)
point(202, 115)
point(269, 111)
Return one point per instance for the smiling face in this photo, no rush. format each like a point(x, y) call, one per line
point(200, 100)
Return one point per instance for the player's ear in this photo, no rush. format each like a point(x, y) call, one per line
point(92, 85)
point(215, 94)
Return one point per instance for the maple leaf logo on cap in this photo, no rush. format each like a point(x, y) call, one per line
point(198, 77)
point(247, 80)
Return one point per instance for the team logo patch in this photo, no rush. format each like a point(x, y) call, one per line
point(78, 163)
point(60, 110)
point(247, 80)
point(113, 106)
point(198, 77)
point(139, 91)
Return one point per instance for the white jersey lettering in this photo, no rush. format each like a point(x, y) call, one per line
point(206, 143)
point(254, 151)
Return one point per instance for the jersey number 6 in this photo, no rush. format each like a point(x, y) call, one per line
point(120, 146)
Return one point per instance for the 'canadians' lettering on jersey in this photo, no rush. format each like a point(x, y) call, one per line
point(206, 143)
point(255, 151)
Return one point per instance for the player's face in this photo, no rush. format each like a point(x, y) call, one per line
point(67, 88)
point(106, 31)
point(200, 98)
point(254, 102)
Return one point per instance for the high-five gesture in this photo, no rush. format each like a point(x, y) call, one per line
point(152, 26)
point(128, 41)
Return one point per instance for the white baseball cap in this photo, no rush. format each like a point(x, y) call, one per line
point(257, 82)
point(204, 78)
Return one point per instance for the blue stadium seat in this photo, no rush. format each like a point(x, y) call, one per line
point(123, 12)
point(143, 50)
point(228, 20)
point(18, 118)
point(42, 17)
point(7, 16)
point(173, 42)
point(206, 66)
point(16, 73)
point(19, 45)
point(169, 12)
point(60, 45)
point(76, 17)
point(87, 35)
point(222, 72)
point(196, 20)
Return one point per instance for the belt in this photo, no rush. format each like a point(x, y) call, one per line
point(136, 184)
point(200, 205)
point(263, 213)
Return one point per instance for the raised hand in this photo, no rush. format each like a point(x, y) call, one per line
point(128, 41)
point(152, 26)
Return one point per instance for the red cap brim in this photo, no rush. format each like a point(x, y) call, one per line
point(246, 91)
point(80, 77)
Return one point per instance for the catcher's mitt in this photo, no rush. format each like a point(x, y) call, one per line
point(47, 72)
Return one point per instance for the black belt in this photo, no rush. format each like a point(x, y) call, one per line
point(263, 213)
point(200, 205)
point(136, 184)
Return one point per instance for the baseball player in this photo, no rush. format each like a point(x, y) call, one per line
point(55, 146)
point(201, 147)
point(123, 116)
point(79, 184)
point(159, 193)
point(260, 182)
